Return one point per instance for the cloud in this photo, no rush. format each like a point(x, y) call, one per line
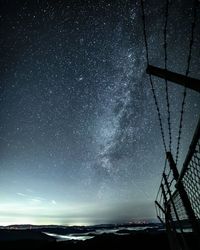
point(53, 202)
point(21, 194)
point(29, 190)
point(35, 201)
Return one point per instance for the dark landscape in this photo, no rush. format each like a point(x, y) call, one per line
point(152, 237)
point(125, 236)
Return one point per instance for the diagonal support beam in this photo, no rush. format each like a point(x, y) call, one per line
point(160, 207)
point(161, 220)
point(188, 82)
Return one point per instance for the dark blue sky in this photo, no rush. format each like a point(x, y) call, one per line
point(79, 134)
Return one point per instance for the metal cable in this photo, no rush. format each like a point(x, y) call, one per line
point(166, 82)
point(195, 3)
point(150, 77)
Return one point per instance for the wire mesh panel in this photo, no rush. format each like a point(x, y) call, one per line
point(164, 198)
point(179, 207)
point(191, 180)
point(178, 198)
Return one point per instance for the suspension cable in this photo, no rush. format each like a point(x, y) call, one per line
point(150, 77)
point(166, 82)
point(195, 4)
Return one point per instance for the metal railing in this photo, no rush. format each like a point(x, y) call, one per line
point(190, 174)
point(178, 198)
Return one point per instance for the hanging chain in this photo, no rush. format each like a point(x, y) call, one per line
point(187, 73)
point(150, 77)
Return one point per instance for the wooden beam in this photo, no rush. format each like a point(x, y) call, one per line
point(189, 82)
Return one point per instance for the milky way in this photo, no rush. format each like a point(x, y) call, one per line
point(79, 134)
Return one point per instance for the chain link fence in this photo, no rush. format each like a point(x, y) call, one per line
point(178, 198)
point(191, 181)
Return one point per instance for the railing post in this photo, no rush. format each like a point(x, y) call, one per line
point(175, 211)
point(170, 227)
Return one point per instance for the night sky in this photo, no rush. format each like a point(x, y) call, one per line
point(79, 135)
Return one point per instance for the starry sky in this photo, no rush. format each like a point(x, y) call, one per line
point(79, 135)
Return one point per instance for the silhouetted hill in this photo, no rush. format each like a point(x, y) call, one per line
point(20, 235)
point(138, 240)
point(34, 240)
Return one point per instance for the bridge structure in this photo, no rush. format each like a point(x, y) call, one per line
point(178, 199)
